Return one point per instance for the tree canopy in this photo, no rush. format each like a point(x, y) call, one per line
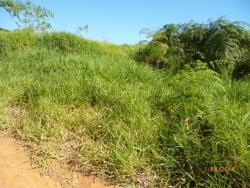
point(221, 44)
point(27, 15)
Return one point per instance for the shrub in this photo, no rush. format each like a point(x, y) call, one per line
point(153, 54)
point(201, 131)
point(220, 43)
point(242, 69)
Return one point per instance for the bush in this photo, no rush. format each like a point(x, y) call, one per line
point(242, 68)
point(201, 132)
point(153, 54)
point(220, 43)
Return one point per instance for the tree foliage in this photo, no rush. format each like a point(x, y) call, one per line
point(221, 44)
point(27, 15)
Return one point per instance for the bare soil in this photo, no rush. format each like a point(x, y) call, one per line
point(17, 171)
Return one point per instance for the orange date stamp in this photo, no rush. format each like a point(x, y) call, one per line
point(215, 169)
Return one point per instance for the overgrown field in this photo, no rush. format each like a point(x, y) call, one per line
point(92, 105)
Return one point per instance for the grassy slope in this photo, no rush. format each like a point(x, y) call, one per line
point(92, 103)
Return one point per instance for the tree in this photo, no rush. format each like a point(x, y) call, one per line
point(223, 45)
point(27, 15)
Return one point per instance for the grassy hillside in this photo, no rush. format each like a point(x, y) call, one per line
point(92, 105)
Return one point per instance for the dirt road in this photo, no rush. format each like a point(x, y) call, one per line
point(16, 171)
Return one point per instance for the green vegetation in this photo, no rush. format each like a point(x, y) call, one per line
point(222, 45)
point(93, 105)
point(27, 15)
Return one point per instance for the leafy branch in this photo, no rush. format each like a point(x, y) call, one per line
point(28, 15)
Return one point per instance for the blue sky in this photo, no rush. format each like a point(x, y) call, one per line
point(120, 21)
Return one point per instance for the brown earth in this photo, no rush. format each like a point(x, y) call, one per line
point(17, 171)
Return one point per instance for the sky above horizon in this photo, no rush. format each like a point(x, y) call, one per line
point(120, 21)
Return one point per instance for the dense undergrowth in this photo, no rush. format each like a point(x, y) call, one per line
point(133, 124)
point(222, 45)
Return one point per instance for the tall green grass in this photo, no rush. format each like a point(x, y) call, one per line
point(127, 122)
